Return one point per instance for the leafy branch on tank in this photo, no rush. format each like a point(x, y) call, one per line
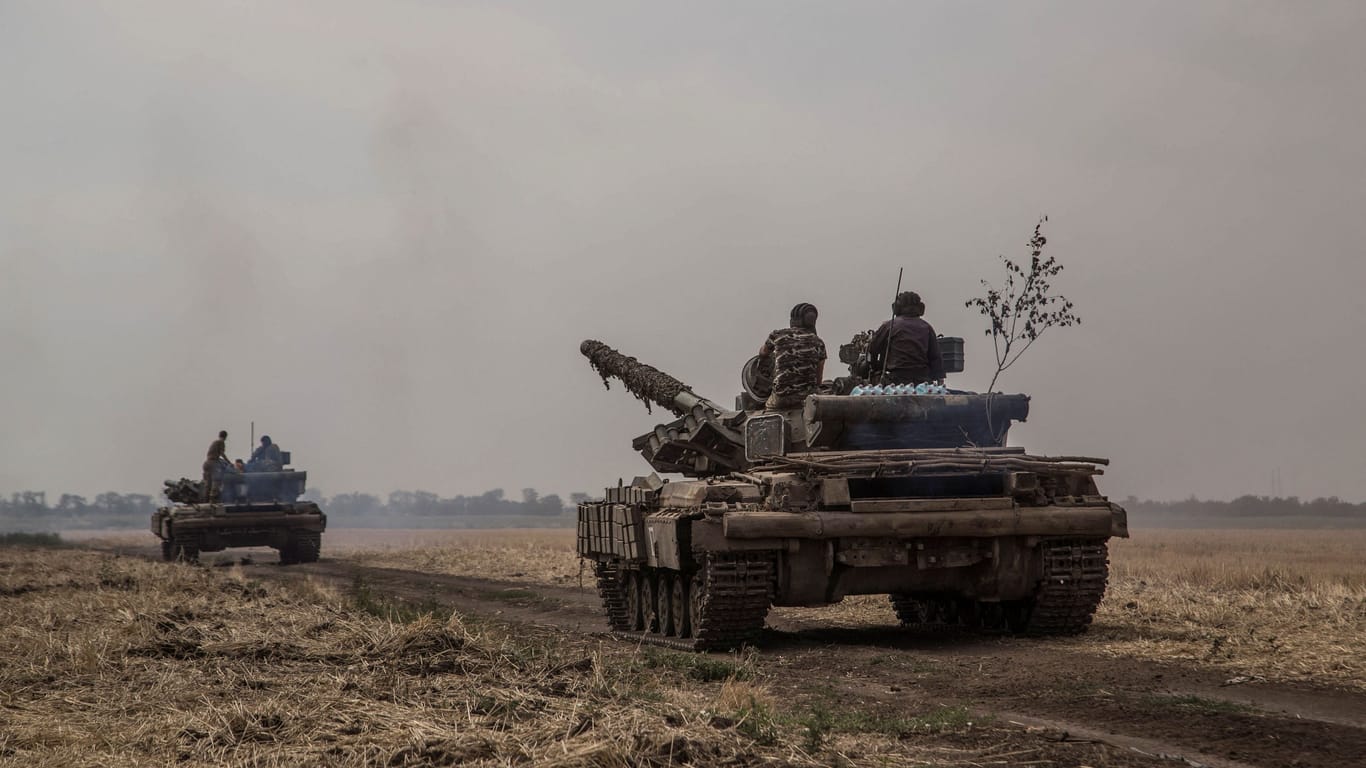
point(1025, 307)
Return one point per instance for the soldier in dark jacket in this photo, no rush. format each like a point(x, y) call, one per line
point(266, 458)
point(906, 345)
point(213, 467)
point(798, 356)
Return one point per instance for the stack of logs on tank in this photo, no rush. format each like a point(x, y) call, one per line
point(1071, 587)
point(719, 606)
point(938, 460)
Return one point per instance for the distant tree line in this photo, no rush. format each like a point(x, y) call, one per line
point(1248, 511)
point(421, 509)
point(33, 511)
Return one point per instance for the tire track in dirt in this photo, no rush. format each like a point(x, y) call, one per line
point(1164, 710)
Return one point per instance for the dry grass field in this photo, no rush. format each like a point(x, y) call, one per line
point(1279, 604)
point(124, 661)
point(532, 556)
point(1274, 604)
point(115, 660)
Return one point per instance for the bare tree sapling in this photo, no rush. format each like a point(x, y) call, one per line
point(1025, 306)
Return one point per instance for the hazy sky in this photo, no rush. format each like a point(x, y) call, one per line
point(380, 229)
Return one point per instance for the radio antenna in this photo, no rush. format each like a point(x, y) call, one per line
point(888, 350)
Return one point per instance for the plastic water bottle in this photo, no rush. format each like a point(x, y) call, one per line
point(921, 389)
point(856, 391)
point(877, 389)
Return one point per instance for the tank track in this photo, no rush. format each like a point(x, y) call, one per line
point(301, 548)
point(1074, 576)
point(1071, 585)
point(737, 592)
point(613, 593)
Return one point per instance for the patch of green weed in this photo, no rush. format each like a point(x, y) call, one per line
point(31, 540)
point(697, 666)
point(510, 595)
point(1190, 703)
point(943, 720)
point(758, 722)
point(367, 600)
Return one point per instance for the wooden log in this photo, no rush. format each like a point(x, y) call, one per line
point(308, 520)
point(930, 505)
point(1025, 521)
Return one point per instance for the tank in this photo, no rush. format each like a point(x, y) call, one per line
point(255, 509)
point(914, 496)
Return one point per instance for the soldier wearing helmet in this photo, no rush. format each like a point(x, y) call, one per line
point(266, 457)
point(798, 358)
point(906, 347)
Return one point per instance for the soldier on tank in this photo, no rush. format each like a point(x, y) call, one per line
point(905, 349)
point(798, 357)
point(214, 465)
point(266, 457)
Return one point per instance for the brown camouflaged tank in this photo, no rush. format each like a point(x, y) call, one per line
point(257, 509)
point(915, 496)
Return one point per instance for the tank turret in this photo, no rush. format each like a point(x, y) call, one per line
point(708, 439)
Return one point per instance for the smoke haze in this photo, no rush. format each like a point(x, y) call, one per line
point(380, 230)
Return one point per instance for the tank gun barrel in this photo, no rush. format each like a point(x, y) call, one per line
point(647, 383)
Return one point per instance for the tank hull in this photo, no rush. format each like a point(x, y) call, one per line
point(294, 529)
point(1030, 558)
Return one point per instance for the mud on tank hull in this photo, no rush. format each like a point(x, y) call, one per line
point(293, 528)
point(1018, 544)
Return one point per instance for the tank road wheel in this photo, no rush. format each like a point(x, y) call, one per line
point(987, 616)
point(664, 604)
point(697, 594)
point(682, 605)
point(950, 610)
point(1016, 615)
point(649, 599)
point(935, 612)
point(634, 609)
point(911, 611)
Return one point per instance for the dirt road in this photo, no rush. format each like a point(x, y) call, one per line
point(1052, 690)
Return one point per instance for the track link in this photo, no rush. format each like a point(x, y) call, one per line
point(613, 593)
point(1075, 573)
point(736, 592)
